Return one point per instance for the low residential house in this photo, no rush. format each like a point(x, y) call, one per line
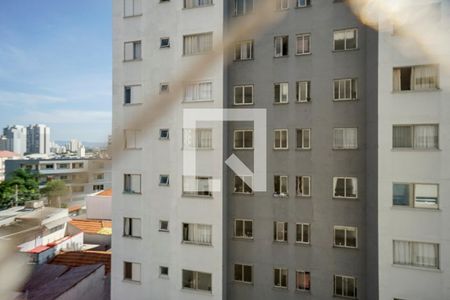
point(99, 205)
point(96, 232)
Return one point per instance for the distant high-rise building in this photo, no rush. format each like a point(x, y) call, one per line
point(3, 143)
point(74, 145)
point(38, 139)
point(16, 138)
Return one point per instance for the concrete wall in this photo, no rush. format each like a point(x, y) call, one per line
point(322, 114)
point(99, 207)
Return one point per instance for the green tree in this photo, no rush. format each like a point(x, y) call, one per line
point(57, 192)
point(25, 183)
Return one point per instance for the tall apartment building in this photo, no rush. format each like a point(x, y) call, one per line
point(16, 138)
point(38, 139)
point(413, 156)
point(313, 233)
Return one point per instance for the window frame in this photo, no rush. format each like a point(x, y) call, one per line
point(284, 232)
point(346, 242)
point(297, 273)
point(161, 135)
point(301, 241)
point(160, 227)
point(134, 45)
point(134, 14)
point(131, 87)
point(280, 94)
point(245, 10)
point(281, 272)
point(196, 195)
point(281, 193)
point(243, 132)
point(129, 233)
point(344, 129)
point(413, 140)
point(195, 85)
point(243, 45)
point(164, 182)
point(307, 4)
point(196, 141)
point(280, 146)
point(132, 264)
point(196, 229)
point(353, 84)
point(244, 230)
point(344, 278)
point(298, 85)
point(345, 30)
point(412, 199)
point(197, 4)
point(278, 39)
point(243, 180)
point(136, 133)
point(436, 266)
point(198, 35)
point(302, 36)
point(131, 176)
point(302, 130)
point(335, 179)
point(242, 267)
point(195, 275)
point(243, 87)
point(301, 179)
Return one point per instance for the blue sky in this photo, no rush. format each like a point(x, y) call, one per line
point(55, 66)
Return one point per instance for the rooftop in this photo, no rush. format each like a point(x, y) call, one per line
point(93, 226)
point(7, 154)
point(105, 193)
point(82, 258)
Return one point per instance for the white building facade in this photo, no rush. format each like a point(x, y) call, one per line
point(16, 139)
point(174, 250)
point(38, 139)
point(413, 153)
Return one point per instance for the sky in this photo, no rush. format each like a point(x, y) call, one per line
point(55, 66)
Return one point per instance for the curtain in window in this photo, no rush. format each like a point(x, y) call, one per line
point(205, 91)
point(126, 226)
point(416, 254)
point(136, 183)
point(351, 187)
point(196, 44)
point(198, 233)
point(402, 137)
point(425, 136)
point(204, 138)
point(424, 77)
point(426, 195)
point(203, 186)
point(397, 80)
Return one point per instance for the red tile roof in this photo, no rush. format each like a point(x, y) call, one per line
point(106, 193)
point(83, 258)
point(6, 154)
point(93, 226)
point(38, 249)
point(74, 208)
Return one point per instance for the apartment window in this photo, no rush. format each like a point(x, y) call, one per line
point(132, 94)
point(345, 237)
point(345, 187)
point(243, 94)
point(345, 138)
point(196, 3)
point(418, 254)
point(304, 138)
point(281, 45)
point(345, 89)
point(132, 227)
point(48, 167)
point(98, 187)
point(346, 39)
point(281, 139)
point(164, 180)
point(280, 186)
point(280, 231)
point(416, 136)
point(163, 88)
point(197, 186)
point(99, 176)
point(345, 286)
point(243, 7)
point(132, 139)
point(303, 186)
point(163, 271)
point(198, 91)
point(164, 225)
point(197, 234)
point(243, 50)
point(303, 91)
point(132, 183)
point(243, 273)
point(280, 277)
point(132, 8)
point(243, 139)
point(77, 165)
point(133, 50)
point(303, 3)
point(63, 166)
point(243, 184)
point(164, 134)
point(198, 138)
point(164, 42)
point(420, 195)
point(416, 78)
point(197, 43)
point(282, 4)
point(77, 189)
point(303, 44)
point(132, 271)
point(281, 92)
point(303, 233)
point(197, 280)
point(303, 281)
point(243, 228)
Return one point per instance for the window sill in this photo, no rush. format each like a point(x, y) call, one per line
point(416, 91)
point(164, 230)
point(195, 291)
point(345, 50)
point(280, 103)
point(196, 101)
point(132, 237)
point(164, 139)
point(164, 184)
point(133, 149)
point(242, 282)
point(303, 54)
point(201, 6)
point(197, 196)
point(345, 198)
point(280, 196)
point(345, 247)
point(132, 60)
point(244, 149)
point(282, 56)
point(301, 196)
point(131, 193)
point(306, 6)
point(244, 104)
point(197, 149)
point(280, 242)
point(302, 149)
point(302, 244)
point(243, 194)
point(131, 281)
point(243, 60)
point(280, 149)
point(280, 288)
point(346, 100)
point(132, 104)
point(303, 102)
point(345, 149)
point(133, 16)
point(411, 208)
point(415, 150)
point(250, 239)
point(337, 296)
point(435, 270)
point(165, 277)
point(196, 244)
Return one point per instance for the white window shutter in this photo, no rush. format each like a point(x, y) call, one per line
point(136, 272)
point(137, 227)
point(136, 94)
point(128, 8)
point(129, 49)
